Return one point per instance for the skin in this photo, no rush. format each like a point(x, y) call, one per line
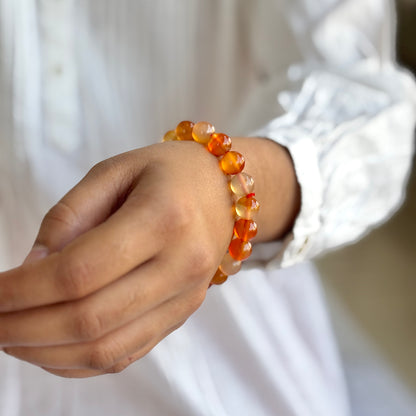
point(128, 254)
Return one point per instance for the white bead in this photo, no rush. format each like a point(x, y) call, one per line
point(242, 184)
point(230, 266)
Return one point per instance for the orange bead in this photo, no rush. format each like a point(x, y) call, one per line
point(232, 163)
point(247, 206)
point(219, 144)
point(202, 131)
point(219, 278)
point(170, 136)
point(239, 249)
point(245, 229)
point(184, 130)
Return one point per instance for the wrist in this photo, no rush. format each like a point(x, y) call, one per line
point(271, 165)
point(276, 185)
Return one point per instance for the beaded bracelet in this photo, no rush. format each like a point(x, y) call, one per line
point(241, 186)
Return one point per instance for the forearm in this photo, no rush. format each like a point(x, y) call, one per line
point(276, 186)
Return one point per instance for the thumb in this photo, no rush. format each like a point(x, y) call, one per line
point(88, 204)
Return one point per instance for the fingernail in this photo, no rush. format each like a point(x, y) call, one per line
point(38, 252)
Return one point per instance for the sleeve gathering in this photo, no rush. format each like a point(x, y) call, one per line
point(349, 128)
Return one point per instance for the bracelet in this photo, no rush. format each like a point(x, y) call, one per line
point(241, 186)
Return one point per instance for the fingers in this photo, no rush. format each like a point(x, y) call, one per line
point(102, 299)
point(115, 305)
point(107, 352)
point(94, 316)
point(120, 366)
point(130, 237)
point(139, 230)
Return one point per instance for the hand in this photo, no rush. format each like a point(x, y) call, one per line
point(130, 252)
point(132, 249)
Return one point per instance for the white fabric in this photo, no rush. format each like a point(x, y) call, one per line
point(81, 81)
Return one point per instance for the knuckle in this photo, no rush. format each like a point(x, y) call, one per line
point(61, 214)
point(118, 368)
point(105, 166)
point(122, 365)
point(201, 260)
point(74, 277)
point(88, 325)
point(103, 356)
point(179, 216)
point(147, 333)
point(175, 218)
point(117, 170)
point(132, 301)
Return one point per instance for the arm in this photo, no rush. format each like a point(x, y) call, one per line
point(127, 255)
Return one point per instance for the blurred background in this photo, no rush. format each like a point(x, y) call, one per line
point(371, 288)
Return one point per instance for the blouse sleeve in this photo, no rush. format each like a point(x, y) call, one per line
point(349, 128)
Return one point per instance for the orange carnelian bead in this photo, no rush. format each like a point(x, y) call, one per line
point(247, 206)
point(219, 278)
point(229, 266)
point(184, 130)
point(239, 249)
point(219, 144)
point(232, 163)
point(170, 136)
point(242, 184)
point(202, 131)
point(245, 229)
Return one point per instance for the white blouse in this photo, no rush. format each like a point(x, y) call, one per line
point(82, 81)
